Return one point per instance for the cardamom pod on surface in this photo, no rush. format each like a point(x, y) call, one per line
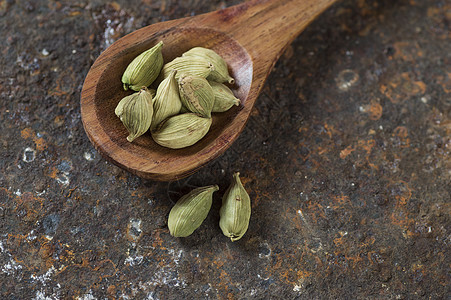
point(167, 101)
point(224, 97)
point(196, 94)
point(190, 211)
point(181, 131)
point(220, 72)
point(135, 112)
point(144, 69)
point(235, 211)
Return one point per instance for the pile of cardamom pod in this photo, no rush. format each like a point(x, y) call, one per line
point(190, 88)
point(192, 209)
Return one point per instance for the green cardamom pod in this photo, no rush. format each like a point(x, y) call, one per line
point(181, 131)
point(188, 65)
point(196, 94)
point(235, 211)
point(184, 109)
point(135, 112)
point(167, 100)
point(224, 98)
point(220, 72)
point(190, 211)
point(152, 94)
point(144, 69)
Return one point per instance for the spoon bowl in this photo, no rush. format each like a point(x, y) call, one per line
point(249, 55)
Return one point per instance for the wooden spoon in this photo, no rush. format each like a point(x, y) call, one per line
point(250, 36)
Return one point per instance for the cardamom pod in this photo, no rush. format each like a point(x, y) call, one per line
point(144, 69)
point(135, 112)
point(235, 211)
point(184, 109)
point(224, 98)
point(220, 72)
point(190, 211)
point(196, 94)
point(181, 131)
point(188, 65)
point(167, 100)
point(152, 93)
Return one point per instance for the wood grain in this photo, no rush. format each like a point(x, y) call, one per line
point(250, 36)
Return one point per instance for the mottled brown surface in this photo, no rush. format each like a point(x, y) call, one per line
point(346, 158)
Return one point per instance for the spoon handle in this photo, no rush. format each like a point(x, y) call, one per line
point(266, 27)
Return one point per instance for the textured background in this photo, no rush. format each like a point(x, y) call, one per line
point(346, 158)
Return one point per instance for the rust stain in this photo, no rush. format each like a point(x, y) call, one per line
point(230, 296)
point(445, 82)
point(348, 150)
point(157, 240)
point(335, 202)
point(402, 87)
point(341, 200)
point(375, 110)
point(111, 290)
point(401, 192)
point(29, 133)
point(407, 51)
point(404, 193)
point(259, 195)
point(53, 173)
point(116, 6)
point(287, 275)
point(367, 29)
point(59, 120)
point(401, 133)
point(340, 241)
point(30, 205)
point(282, 269)
point(330, 130)
point(440, 17)
point(88, 273)
point(302, 274)
point(444, 10)
point(74, 13)
point(355, 260)
point(365, 145)
point(65, 84)
point(245, 180)
point(34, 253)
point(69, 194)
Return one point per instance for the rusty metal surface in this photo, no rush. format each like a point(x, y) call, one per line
point(346, 159)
